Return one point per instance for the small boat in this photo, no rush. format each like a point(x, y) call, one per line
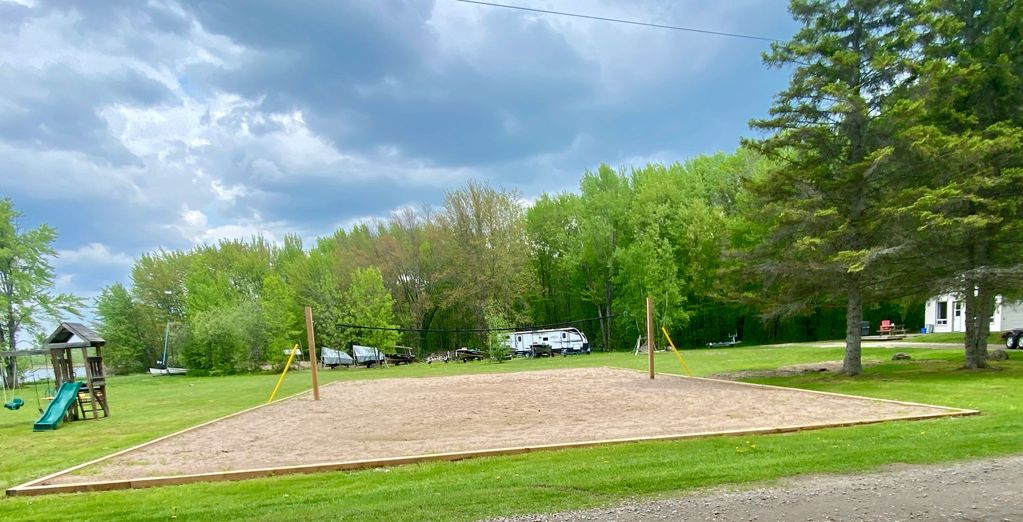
point(168, 371)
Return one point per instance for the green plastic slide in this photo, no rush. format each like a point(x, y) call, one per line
point(64, 401)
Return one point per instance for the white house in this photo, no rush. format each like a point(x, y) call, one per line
point(947, 313)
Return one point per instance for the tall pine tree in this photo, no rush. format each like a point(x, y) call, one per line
point(832, 146)
point(965, 139)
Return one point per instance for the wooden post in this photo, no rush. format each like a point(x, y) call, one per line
point(650, 334)
point(312, 350)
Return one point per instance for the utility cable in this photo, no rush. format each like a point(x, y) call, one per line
point(475, 330)
point(621, 21)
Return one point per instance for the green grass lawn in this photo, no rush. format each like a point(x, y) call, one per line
point(144, 407)
point(994, 339)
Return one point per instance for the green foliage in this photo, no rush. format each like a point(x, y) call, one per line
point(497, 348)
point(508, 485)
point(484, 252)
point(222, 339)
point(963, 133)
point(121, 327)
point(369, 303)
point(832, 150)
point(27, 300)
point(281, 319)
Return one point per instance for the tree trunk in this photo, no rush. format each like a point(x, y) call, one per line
point(424, 327)
point(605, 328)
point(979, 305)
point(10, 373)
point(853, 365)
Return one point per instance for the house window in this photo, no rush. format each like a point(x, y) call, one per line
point(941, 313)
point(958, 307)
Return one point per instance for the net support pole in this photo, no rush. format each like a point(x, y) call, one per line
point(311, 344)
point(650, 334)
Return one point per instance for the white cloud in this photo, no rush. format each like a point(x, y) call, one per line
point(94, 254)
point(193, 218)
point(228, 194)
point(194, 226)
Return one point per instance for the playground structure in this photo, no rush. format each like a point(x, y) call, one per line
point(75, 400)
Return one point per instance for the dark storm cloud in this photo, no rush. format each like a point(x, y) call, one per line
point(189, 122)
point(378, 64)
point(56, 108)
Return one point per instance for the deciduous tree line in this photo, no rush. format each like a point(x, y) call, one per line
point(889, 170)
point(484, 259)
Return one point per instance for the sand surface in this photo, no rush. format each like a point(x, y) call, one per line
point(383, 418)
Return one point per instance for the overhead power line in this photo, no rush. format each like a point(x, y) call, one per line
point(621, 21)
point(475, 330)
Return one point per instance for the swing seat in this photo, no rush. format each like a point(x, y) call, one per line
point(16, 404)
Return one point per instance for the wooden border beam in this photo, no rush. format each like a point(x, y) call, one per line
point(38, 486)
point(150, 482)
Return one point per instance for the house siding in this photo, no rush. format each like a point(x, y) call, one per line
point(1006, 316)
point(1012, 316)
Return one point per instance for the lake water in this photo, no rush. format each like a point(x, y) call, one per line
point(42, 374)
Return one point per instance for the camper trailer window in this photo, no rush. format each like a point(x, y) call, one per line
point(545, 339)
point(520, 338)
point(563, 335)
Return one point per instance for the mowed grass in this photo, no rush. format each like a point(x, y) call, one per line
point(994, 339)
point(144, 408)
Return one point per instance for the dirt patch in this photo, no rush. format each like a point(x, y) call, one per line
point(788, 371)
point(385, 418)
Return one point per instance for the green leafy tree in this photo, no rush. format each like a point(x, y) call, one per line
point(497, 348)
point(674, 245)
point(369, 303)
point(552, 226)
point(221, 337)
point(280, 316)
point(485, 254)
point(410, 265)
point(603, 209)
point(832, 144)
point(26, 284)
point(122, 327)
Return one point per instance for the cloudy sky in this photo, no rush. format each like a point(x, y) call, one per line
point(131, 126)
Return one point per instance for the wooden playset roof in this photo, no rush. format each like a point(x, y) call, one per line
point(66, 331)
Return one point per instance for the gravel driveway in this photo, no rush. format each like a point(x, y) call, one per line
point(982, 490)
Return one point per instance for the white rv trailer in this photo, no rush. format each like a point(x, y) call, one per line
point(558, 340)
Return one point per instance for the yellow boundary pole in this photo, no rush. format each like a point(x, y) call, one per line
point(685, 367)
point(283, 373)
